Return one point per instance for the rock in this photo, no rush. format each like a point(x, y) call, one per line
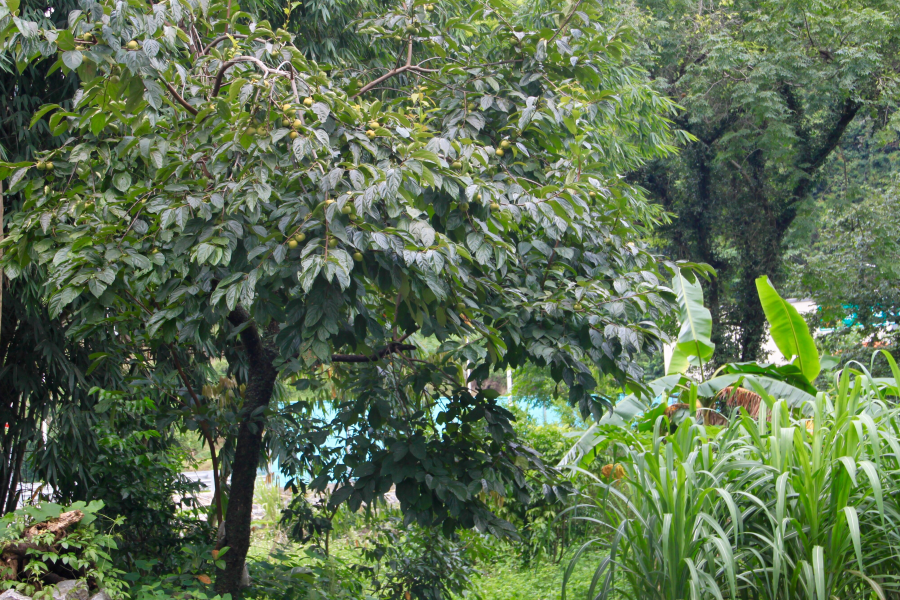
point(13, 595)
point(71, 589)
point(101, 595)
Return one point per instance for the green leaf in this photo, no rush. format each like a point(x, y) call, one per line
point(779, 390)
point(40, 113)
point(72, 59)
point(98, 122)
point(789, 330)
point(122, 181)
point(65, 40)
point(696, 325)
point(853, 525)
point(819, 570)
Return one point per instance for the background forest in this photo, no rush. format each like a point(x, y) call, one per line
point(413, 300)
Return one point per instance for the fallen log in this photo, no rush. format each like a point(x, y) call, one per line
point(40, 537)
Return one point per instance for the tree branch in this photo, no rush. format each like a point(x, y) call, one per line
point(397, 71)
point(385, 77)
point(179, 99)
point(207, 433)
point(566, 22)
point(221, 38)
point(230, 63)
point(829, 143)
point(392, 348)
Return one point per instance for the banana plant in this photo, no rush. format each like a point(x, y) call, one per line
point(694, 346)
point(789, 330)
point(685, 369)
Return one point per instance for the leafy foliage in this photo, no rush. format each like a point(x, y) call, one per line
point(851, 268)
point(42, 371)
point(186, 574)
point(418, 564)
point(789, 330)
point(778, 507)
point(769, 89)
point(301, 574)
point(83, 552)
point(305, 521)
point(135, 472)
point(544, 529)
point(218, 185)
point(694, 346)
point(697, 391)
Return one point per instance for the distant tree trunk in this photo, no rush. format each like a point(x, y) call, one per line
point(260, 386)
point(1, 256)
point(12, 414)
point(691, 233)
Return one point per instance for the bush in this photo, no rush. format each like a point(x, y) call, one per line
point(418, 564)
point(301, 575)
point(305, 521)
point(128, 462)
point(543, 525)
point(788, 507)
point(187, 574)
point(39, 549)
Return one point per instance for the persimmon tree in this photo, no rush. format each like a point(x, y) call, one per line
point(220, 195)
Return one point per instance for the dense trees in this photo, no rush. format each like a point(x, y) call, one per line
point(314, 231)
point(222, 196)
point(769, 89)
point(41, 370)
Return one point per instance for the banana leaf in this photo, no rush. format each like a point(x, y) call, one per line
point(789, 330)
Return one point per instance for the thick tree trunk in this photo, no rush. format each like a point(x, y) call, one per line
point(692, 234)
point(759, 243)
point(260, 385)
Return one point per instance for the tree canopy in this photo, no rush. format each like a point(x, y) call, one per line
point(769, 89)
point(221, 195)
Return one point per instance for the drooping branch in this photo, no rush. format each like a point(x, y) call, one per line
point(204, 425)
point(207, 433)
point(391, 348)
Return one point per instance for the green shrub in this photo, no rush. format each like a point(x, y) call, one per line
point(304, 521)
point(418, 564)
point(543, 526)
point(303, 575)
point(83, 552)
point(124, 456)
point(187, 574)
point(798, 506)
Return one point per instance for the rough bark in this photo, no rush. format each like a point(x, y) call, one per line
point(261, 375)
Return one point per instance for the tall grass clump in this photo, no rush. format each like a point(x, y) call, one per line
point(794, 504)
